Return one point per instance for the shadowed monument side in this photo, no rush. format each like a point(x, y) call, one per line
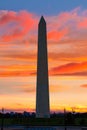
point(42, 90)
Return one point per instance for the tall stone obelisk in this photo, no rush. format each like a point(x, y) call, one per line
point(42, 92)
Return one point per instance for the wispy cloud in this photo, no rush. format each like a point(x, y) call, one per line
point(70, 69)
point(28, 70)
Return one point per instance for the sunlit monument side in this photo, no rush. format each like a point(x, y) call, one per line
point(42, 92)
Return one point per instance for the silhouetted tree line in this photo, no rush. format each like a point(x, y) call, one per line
point(20, 115)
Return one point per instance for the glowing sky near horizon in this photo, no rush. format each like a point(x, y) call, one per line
point(67, 54)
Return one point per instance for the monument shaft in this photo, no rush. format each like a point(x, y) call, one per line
point(42, 96)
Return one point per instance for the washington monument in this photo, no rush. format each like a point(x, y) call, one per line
point(42, 92)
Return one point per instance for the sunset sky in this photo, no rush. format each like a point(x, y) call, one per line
point(67, 53)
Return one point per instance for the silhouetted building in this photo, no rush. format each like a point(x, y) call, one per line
point(42, 95)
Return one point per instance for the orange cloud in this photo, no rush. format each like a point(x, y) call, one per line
point(71, 68)
point(26, 70)
point(15, 73)
point(18, 67)
point(17, 70)
point(84, 86)
point(21, 57)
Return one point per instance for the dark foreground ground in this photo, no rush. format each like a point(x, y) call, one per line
point(26, 123)
point(46, 128)
point(43, 122)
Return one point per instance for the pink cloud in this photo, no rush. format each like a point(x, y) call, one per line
point(23, 24)
point(83, 23)
point(57, 35)
point(19, 24)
